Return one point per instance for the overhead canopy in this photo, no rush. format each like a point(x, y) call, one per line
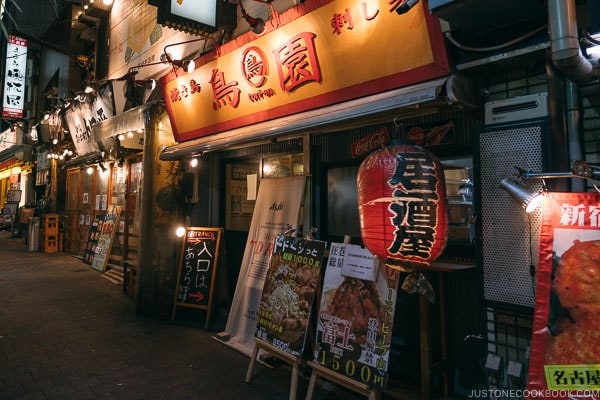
point(435, 93)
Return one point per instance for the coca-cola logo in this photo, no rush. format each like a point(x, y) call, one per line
point(371, 142)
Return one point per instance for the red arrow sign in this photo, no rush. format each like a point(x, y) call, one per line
point(199, 296)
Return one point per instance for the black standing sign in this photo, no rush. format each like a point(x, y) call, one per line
point(197, 269)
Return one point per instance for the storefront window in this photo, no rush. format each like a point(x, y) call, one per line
point(280, 166)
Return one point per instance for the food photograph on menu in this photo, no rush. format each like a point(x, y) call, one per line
point(288, 293)
point(566, 340)
point(354, 324)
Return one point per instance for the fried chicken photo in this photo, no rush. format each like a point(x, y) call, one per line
point(577, 279)
point(356, 301)
point(579, 343)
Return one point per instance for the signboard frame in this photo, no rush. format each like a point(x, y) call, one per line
point(198, 235)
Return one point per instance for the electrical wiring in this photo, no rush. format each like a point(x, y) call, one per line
point(493, 48)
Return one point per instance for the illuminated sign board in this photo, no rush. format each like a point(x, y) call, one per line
point(324, 53)
point(14, 78)
point(196, 17)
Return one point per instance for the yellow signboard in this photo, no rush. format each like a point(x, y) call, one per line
point(321, 53)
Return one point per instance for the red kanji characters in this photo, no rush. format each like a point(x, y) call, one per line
point(223, 92)
point(297, 62)
point(339, 20)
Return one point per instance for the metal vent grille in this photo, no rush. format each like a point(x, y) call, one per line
point(510, 236)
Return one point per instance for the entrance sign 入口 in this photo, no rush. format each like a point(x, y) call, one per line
point(197, 269)
point(565, 355)
point(277, 207)
point(288, 293)
point(354, 323)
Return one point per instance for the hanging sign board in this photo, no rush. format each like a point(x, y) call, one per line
point(303, 64)
point(197, 268)
point(565, 355)
point(82, 115)
point(288, 293)
point(14, 77)
point(106, 238)
point(354, 324)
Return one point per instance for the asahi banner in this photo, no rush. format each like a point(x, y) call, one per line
point(82, 115)
point(14, 77)
point(565, 347)
point(277, 207)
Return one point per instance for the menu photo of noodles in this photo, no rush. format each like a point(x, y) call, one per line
point(565, 347)
point(288, 293)
point(354, 324)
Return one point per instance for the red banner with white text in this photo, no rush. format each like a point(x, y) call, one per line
point(565, 348)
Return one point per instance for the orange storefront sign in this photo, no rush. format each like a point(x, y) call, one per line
point(321, 53)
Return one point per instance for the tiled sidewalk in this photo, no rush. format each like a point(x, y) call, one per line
point(67, 333)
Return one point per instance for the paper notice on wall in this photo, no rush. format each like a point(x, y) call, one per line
point(359, 263)
point(252, 181)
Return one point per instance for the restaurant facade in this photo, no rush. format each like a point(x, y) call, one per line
point(324, 86)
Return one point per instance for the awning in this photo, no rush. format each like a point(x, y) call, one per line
point(442, 92)
point(20, 152)
point(129, 120)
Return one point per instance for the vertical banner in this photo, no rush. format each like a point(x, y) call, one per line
point(14, 77)
point(565, 347)
point(277, 206)
point(289, 292)
point(354, 326)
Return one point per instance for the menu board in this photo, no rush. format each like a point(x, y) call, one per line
point(93, 236)
point(354, 325)
point(197, 268)
point(288, 293)
point(105, 238)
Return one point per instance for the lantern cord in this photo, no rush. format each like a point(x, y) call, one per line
point(531, 266)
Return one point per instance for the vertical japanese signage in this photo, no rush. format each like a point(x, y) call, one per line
point(198, 267)
point(305, 64)
point(14, 77)
point(354, 327)
point(288, 293)
point(565, 348)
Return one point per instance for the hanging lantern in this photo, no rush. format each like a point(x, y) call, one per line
point(402, 205)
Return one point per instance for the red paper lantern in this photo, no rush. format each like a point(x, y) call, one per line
point(402, 204)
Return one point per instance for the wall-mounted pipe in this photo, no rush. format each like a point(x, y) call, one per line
point(564, 42)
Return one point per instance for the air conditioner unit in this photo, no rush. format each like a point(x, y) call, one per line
point(519, 108)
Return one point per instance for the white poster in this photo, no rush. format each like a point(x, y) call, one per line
point(14, 77)
point(277, 207)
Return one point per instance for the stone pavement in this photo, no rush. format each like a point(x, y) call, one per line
point(67, 333)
